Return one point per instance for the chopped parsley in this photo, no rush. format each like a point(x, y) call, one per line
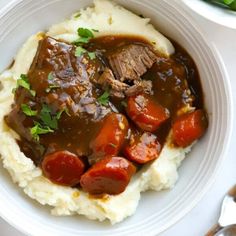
point(39, 129)
point(92, 55)
point(50, 76)
point(84, 37)
point(48, 122)
point(77, 15)
point(27, 110)
point(54, 86)
point(95, 30)
point(24, 83)
point(85, 33)
point(80, 51)
point(80, 41)
point(59, 114)
point(47, 118)
point(104, 98)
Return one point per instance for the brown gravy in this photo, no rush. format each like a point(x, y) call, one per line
point(73, 87)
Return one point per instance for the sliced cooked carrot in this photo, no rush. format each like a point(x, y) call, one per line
point(110, 138)
point(108, 176)
point(63, 168)
point(189, 127)
point(145, 148)
point(146, 113)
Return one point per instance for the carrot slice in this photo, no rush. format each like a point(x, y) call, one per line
point(143, 149)
point(110, 137)
point(108, 176)
point(146, 113)
point(189, 127)
point(63, 168)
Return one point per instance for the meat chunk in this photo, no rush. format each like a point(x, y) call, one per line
point(132, 61)
point(140, 86)
point(108, 79)
point(121, 89)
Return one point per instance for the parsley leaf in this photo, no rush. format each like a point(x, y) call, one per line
point(24, 82)
point(79, 51)
point(60, 113)
point(92, 55)
point(50, 76)
point(81, 41)
point(47, 118)
point(27, 110)
point(104, 98)
point(95, 30)
point(52, 86)
point(85, 33)
point(33, 93)
point(77, 15)
point(39, 129)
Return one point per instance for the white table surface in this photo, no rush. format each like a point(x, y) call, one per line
point(205, 214)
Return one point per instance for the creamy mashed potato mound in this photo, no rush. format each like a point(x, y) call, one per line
point(108, 18)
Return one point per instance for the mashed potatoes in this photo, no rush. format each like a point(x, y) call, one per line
point(107, 18)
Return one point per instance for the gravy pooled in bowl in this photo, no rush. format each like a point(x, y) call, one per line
point(99, 113)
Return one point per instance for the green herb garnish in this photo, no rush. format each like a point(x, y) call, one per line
point(92, 55)
point(50, 76)
point(24, 83)
point(48, 122)
point(85, 36)
point(85, 33)
point(104, 98)
point(47, 118)
point(80, 51)
point(61, 112)
point(54, 86)
point(95, 30)
point(77, 15)
point(80, 41)
point(27, 110)
point(39, 129)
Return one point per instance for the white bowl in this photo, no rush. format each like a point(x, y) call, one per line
point(156, 211)
point(219, 15)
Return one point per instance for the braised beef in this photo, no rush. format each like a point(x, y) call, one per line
point(132, 61)
point(108, 81)
point(121, 89)
point(140, 86)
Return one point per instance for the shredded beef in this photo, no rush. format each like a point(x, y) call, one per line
point(132, 61)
